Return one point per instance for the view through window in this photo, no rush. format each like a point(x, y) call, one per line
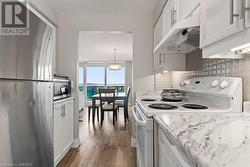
point(100, 77)
point(116, 79)
point(95, 80)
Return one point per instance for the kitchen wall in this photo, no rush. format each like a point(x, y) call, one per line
point(212, 67)
point(163, 80)
point(43, 7)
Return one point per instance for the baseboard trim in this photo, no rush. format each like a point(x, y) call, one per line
point(76, 143)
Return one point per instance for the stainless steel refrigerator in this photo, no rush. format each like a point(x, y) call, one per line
point(26, 96)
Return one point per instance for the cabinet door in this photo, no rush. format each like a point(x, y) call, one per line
point(169, 155)
point(68, 124)
point(163, 158)
point(159, 60)
point(170, 15)
point(58, 135)
point(247, 12)
point(158, 31)
point(220, 19)
point(185, 8)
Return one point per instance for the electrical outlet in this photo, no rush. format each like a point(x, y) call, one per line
point(246, 106)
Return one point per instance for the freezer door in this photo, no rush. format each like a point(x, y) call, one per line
point(26, 125)
point(28, 56)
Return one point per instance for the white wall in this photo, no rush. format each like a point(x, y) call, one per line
point(45, 9)
point(67, 56)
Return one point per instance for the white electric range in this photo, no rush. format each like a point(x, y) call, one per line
point(202, 94)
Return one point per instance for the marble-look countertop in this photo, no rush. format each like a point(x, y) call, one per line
point(210, 140)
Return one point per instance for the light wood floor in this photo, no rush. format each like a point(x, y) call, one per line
point(108, 146)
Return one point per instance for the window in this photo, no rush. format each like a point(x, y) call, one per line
point(95, 80)
point(100, 77)
point(81, 79)
point(116, 79)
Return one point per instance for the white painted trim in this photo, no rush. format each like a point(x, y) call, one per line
point(76, 143)
point(62, 155)
point(38, 14)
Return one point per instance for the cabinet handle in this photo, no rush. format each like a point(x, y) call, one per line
point(232, 15)
point(171, 15)
point(245, 8)
point(173, 20)
point(63, 111)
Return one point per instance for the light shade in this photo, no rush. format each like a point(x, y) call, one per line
point(115, 66)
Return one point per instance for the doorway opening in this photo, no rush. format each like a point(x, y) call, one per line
point(97, 51)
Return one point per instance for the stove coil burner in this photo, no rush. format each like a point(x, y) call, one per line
point(148, 99)
point(162, 106)
point(194, 106)
point(171, 100)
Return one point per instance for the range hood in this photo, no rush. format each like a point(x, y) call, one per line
point(184, 36)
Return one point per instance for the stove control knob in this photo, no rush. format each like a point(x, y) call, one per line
point(224, 84)
point(215, 83)
point(182, 83)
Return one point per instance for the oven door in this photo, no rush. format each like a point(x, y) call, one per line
point(144, 138)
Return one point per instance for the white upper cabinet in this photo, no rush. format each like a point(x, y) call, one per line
point(220, 19)
point(169, 15)
point(165, 22)
point(247, 12)
point(172, 13)
point(186, 7)
point(159, 60)
point(158, 31)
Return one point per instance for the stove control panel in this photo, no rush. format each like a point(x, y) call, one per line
point(216, 85)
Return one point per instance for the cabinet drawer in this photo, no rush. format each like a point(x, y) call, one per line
point(175, 157)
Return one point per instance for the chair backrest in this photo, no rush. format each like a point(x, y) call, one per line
point(107, 95)
point(128, 92)
point(113, 87)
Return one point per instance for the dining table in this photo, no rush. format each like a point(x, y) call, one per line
point(118, 96)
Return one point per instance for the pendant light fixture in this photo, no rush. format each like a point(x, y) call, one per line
point(114, 66)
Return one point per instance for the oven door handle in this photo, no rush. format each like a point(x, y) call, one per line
point(137, 120)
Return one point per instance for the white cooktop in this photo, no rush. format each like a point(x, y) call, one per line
point(150, 112)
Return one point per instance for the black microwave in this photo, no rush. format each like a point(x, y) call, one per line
point(62, 87)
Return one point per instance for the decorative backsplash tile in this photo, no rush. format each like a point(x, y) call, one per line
point(213, 67)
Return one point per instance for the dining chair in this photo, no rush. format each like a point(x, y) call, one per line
point(90, 108)
point(113, 87)
point(107, 103)
point(124, 104)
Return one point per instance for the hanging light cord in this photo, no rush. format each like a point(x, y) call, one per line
point(114, 56)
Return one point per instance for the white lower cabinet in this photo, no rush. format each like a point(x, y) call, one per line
point(63, 129)
point(168, 153)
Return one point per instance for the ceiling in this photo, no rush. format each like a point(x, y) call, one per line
point(99, 46)
point(104, 6)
